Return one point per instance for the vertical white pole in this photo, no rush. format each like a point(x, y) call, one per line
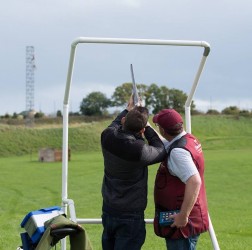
point(188, 129)
point(188, 119)
point(65, 156)
point(212, 235)
point(64, 165)
point(191, 94)
point(65, 138)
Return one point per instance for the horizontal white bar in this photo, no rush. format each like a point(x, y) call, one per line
point(139, 41)
point(99, 221)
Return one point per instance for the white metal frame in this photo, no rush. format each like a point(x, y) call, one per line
point(70, 203)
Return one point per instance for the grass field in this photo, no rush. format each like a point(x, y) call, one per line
point(28, 185)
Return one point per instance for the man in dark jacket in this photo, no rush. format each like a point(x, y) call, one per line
point(124, 189)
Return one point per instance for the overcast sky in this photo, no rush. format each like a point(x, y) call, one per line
point(52, 26)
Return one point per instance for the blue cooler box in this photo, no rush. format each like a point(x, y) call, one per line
point(34, 221)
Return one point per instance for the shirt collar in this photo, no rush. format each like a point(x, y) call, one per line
point(169, 143)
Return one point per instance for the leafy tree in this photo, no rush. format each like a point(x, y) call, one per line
point(39, 115)
point(153, 97)
point(142, 90)
point(94, 104)
point(161, 97)
point(7, 115)
point(121, 95)
point(74, 113)
point(59, 114)
point(212, 112)
point(231, 110)
point(157, 97)
point(177, 99)
point(245, 113)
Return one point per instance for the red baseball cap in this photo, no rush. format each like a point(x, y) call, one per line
point(168, 119)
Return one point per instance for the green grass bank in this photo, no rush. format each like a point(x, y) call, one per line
point(27, 184)
point(215, 132)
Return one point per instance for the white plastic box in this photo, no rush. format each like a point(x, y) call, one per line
point(34, 221)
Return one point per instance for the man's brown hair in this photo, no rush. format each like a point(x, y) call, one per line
point(136, 119)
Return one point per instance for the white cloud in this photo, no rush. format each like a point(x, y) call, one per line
point(51, 26)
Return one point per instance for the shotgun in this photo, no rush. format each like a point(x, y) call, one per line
point(136, 99)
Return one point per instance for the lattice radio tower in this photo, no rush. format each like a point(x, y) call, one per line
point(30, 67)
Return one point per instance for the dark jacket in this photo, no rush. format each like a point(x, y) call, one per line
point(126, 157)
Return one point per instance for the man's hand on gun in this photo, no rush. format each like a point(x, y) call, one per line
point(131, 104)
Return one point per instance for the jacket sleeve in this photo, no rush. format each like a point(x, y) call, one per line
point(117, 121)
point(154, 151)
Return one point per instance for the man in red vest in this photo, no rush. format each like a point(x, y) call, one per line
point(181, 213)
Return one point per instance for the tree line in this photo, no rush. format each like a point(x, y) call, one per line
point(154, 97)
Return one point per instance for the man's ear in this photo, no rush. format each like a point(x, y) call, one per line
point(142, 131)
point(123, 120)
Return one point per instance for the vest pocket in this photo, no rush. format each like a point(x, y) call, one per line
point(162, 231)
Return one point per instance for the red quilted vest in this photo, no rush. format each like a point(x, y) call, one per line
point(169, 193)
